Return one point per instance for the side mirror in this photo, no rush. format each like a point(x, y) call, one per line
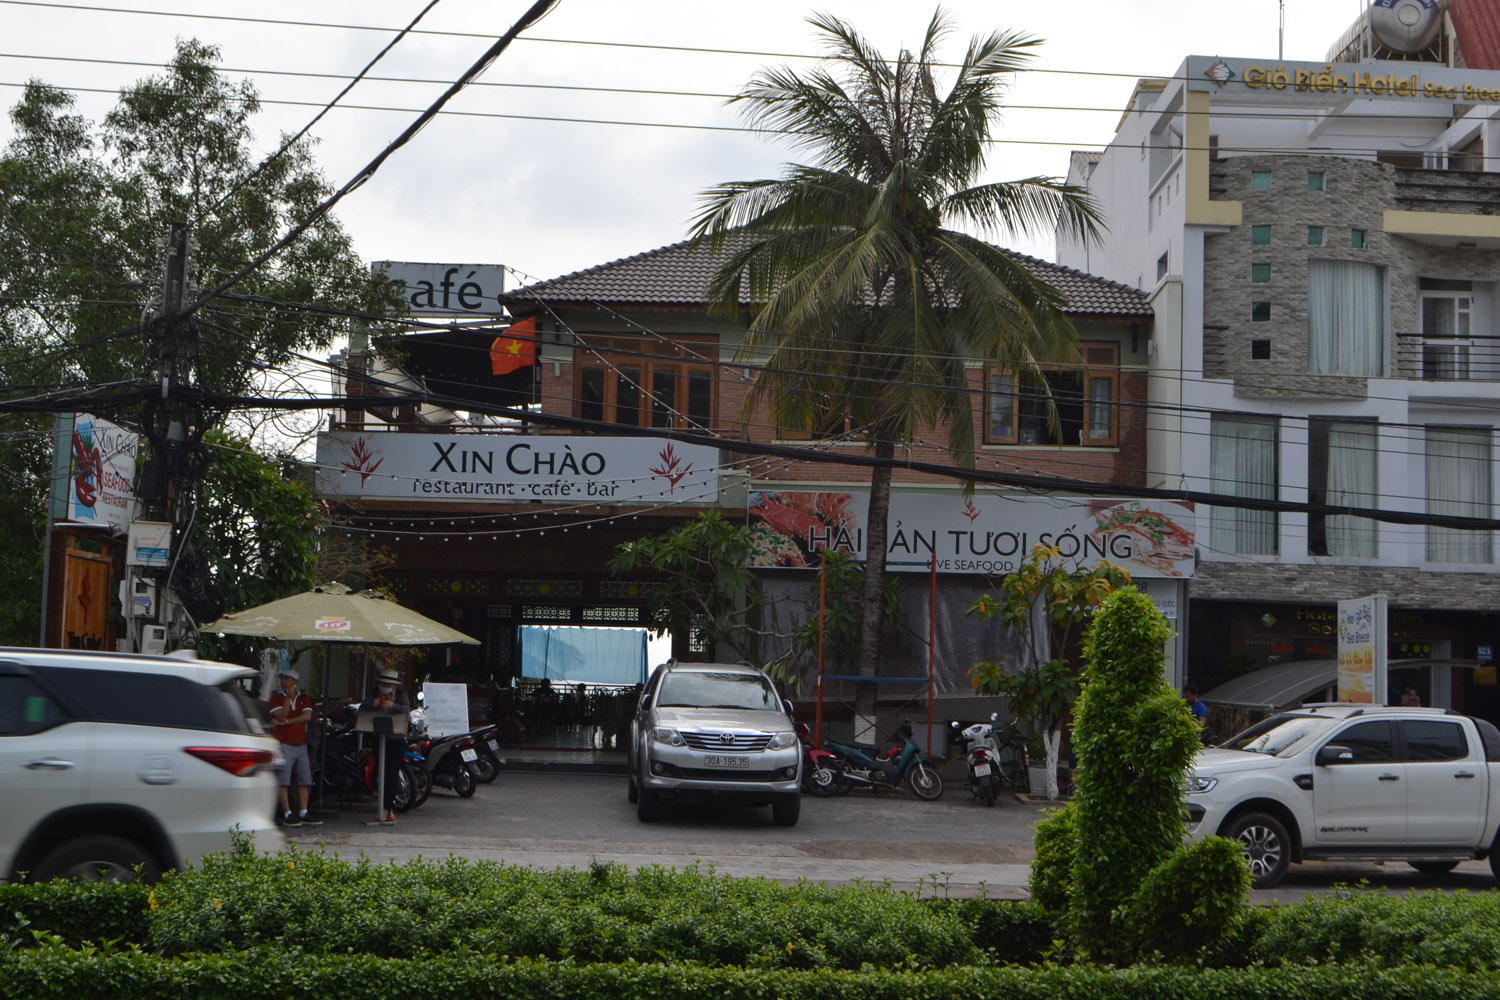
point(786, 704)
point(1332, 753)
point(645, 702)
point(994, 716)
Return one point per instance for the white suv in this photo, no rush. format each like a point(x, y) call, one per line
point(714, 731)
point(113, 761)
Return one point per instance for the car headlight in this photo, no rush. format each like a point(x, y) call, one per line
point(1198, 784)
point(671, 737)
point(780, 741)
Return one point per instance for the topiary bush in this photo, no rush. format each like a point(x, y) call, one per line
point(1190, 901)
point(1052, 864)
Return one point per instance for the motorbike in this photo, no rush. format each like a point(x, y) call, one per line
point(487, 746)
point(820, 767)
point(865, 764)
point(997, 760)
point(449, 762)
point(350, 770)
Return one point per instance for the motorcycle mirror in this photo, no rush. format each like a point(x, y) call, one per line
point(994, 716)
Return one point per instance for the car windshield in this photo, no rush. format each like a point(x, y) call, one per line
point(1280, 735)
point(707, 689)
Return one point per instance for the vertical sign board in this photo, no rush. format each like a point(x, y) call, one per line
point(446, 707)
point(1362, 650)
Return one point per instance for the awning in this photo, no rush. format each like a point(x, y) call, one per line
point(1287, 684)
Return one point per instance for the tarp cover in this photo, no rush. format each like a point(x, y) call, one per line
point(584, 655)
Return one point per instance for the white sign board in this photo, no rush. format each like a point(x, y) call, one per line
point(447, 289)
point(446, 707)
point(150, 544)
point(101, 473)
point(1362, 650)
point(486, 468)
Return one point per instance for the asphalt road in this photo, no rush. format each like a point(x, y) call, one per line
point(953, 846)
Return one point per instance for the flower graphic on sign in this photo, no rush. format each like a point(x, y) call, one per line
point(970, 511)
point(365, 463)
point(671, 468)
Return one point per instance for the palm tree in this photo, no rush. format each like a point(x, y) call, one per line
point(868, 306)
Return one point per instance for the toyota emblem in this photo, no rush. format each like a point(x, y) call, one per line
point(727, 739)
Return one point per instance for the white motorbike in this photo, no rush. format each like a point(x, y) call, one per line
point(992, 766)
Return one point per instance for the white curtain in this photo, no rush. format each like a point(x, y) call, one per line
point(1243, 463)
point(1351, 483)
point(1458, 482)
point(1345, 318)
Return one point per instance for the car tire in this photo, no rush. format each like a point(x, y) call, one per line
point(1434, 867)
point(786, 810)
point(924, 781)
point(98, 859)
point(647, 806)
point(631, 792)
point(1267, 846)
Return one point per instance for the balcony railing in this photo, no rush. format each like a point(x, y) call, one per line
point(1435, 358)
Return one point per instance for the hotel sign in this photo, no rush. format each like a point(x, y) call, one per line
point(1328, 82)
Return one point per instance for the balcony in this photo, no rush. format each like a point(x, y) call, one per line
point(1433, 358)
point(1466, 191)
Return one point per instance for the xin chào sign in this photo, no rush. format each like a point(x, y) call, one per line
point(509, 468)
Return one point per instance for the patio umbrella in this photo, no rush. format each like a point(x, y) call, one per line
point(334, 613)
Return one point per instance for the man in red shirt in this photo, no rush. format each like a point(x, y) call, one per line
point(290, 712)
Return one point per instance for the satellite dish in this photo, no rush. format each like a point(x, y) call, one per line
point(1405, 25)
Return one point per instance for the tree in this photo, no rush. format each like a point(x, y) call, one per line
point(837, 634)
point(1047, 605)
point(84, 209)
point(867, 305)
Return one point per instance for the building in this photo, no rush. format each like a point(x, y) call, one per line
point(633, 420)
point(1322, 247)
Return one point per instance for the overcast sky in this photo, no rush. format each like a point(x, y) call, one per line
point(548, 181)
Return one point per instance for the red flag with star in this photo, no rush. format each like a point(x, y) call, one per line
point(515, 348)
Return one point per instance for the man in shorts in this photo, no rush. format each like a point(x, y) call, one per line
point(290, 712)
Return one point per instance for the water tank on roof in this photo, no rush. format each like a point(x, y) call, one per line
point(1405, 25)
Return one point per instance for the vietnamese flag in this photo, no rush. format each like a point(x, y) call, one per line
point(515, 348)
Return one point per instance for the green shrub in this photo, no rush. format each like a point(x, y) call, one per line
point(1190, 901)
point(1052, 864)
point(1012, 932)
point(75, 911)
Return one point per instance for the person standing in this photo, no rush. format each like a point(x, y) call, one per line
point(291, 710)
point(1196, 706)
point(388, 697)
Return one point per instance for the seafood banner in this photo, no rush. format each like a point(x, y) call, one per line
point(980, 535)
point(101, 473)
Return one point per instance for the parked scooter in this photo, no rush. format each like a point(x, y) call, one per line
point(820, 767)
point(450, 760)
point(487, 765)
point(997, 759)
point(865, 764)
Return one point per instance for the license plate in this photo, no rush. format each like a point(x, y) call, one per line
point(981, 770)
point(469, 756)
point(726, 761)
point(494, 746)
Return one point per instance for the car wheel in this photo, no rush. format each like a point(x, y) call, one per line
point(1434, 867)
point(786, 810)
point(924, 781)
point(647, 806)
point(1267, 846)
point(98, 859)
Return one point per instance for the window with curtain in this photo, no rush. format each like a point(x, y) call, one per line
point(644, 382)
point(1458, 483)
point(1242, 461)
point(1345, 318)
point(1447, 311)
point(1086, 397)
point(1341, 472)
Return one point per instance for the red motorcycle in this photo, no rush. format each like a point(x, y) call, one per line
point(822, 771)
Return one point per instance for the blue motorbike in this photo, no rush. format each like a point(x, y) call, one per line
point(865, 764)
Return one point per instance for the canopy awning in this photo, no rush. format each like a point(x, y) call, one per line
point(1287, 684)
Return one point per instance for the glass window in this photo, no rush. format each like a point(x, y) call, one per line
point(1458, 483)
point(1314, 236)
point(1084, 398)
point(1000, 405)
point(1242, 459)
point(1345, 318)
point(616, 384)
point(1341, 473)
point(1260, 180)
point(1371, 741)
point(1357, 239)
point(1315, 180)
point(703, 689)
point(1260, 312)
point(25, 708)
point(1435, 740)
point(628, 396)
point(1446, 315)
point(1260, 235)
point(1260, 273)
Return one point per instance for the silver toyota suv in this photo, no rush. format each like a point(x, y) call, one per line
point(714, 731)
point(113, 764)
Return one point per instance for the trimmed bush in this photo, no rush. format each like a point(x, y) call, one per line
point(77, 912)
point(1052, 864)
point(1189, 901)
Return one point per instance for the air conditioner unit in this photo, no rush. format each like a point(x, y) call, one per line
point(154, 639)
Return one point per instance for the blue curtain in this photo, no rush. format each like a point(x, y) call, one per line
point(586, 655)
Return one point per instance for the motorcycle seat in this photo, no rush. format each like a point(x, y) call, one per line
point(867, 748)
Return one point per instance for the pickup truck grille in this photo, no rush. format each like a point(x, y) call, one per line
point(727, 742)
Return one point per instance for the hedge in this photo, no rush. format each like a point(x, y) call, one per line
point(275, 975)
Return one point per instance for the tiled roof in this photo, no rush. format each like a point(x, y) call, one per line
point(678, 275)
point(1476, 23)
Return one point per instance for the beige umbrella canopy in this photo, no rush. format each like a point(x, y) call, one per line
point(334, 613)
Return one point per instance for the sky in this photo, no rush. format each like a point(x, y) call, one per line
point(566, 155)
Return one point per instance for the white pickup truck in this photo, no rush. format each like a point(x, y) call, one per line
point(1353, 782)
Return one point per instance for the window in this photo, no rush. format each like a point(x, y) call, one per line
point(1315, 180)
point(617, 384)
point(1162, 267)
point(1242, 463)
point(1371, 742)
point(1260, 273)
point(1314, 236)
point(1260, 235)
point(1260, 350)
point(1447, 308)
point(1341, 473)
point(1345, 318)
point(1458, 483)
point(1085, 397)
point(1260, 180)
point(25, 708)
point(1435, 741)
point(1357, 239)
point(1260, 312)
